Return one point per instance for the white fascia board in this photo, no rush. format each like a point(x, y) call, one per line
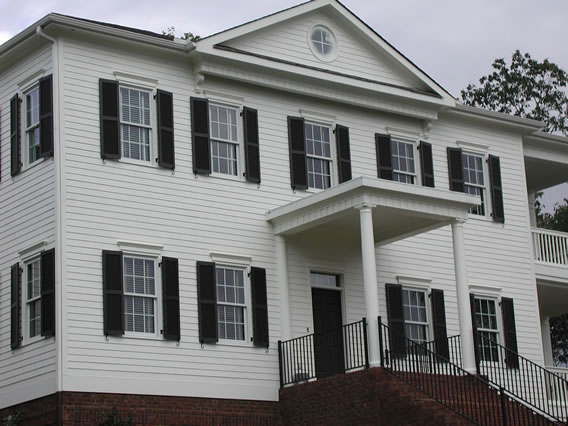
point(210, 64)
point(456, 199)
point(543, 137)
point(260, 23)
point(546, 149)
point(79, 24)
point(524, 125)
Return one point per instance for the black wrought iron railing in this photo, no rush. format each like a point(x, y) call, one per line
point(435, 375)
point(448, 348)
point(319, 355)
point(526, 380)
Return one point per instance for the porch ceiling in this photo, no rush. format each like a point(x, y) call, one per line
point(399, 210)
point(552, 297)
point(546, 160)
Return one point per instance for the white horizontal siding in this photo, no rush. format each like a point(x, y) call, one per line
point(289, 40)
point(27, 217)
point(193, 216)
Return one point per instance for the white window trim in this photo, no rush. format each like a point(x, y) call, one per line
point(333, 149)
point(24, 142)
point(158, 313)
point(479, 151)
point(141, 84)
point(236, 103)
point(28, 255)
point(331, 56)
point(247, 342)
point(427, 306)
point(498, 313)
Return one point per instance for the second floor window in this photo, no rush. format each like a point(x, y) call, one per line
point(135, 124)
point(403, 165)
point(224, 140)
point(32, 125)
point(318, 155)
point(474, 180)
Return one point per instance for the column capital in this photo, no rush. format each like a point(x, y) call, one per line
point(365, 205)
point(459, 221)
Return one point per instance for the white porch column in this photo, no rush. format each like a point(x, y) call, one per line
point(532, 209)
point(282, 270)
point(462, 289)
point(370, 282)
point(546, 342)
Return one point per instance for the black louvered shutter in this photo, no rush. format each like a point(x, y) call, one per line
point(207, 302)
point(384, 156)
point(46, 117)
point(395, 313)
point(165, 107)
point(15, 329)
point(110, 119)
point(48, 293)
point(15, 136)
point(259, 307)
point(426, 164)
point(113, 293)
point(343, 153)
point(510, 332)
point(252, 147)
point(455, 169)
point(200, 136)
point(170, 292)
point(496, 189)
point(474, 327)
point(297, 143)
point(439, 323)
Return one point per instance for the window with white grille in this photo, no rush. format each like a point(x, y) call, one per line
point(318, 155)
point(403, 161)
point(32, 126)
point(415, 315)
point(474, 180)
point(488, 328)
point(140, 295)
point(135, 123)
point(33, 298)
point(231, 303)
point(224, 139)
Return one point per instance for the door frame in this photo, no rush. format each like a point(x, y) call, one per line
point(328, 271)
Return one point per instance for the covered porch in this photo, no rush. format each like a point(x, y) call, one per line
point(354, 218)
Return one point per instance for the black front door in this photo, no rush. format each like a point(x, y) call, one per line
point(328, 335)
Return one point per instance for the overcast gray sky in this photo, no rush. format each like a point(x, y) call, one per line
point(454, 41)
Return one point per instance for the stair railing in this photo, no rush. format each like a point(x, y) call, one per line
point(441, 379)
point(521, 377)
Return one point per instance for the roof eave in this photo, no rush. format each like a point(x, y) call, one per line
point(525, 124)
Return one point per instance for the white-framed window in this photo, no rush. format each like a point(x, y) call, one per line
point(32, 298)
point(140, 295)
point(403, 161)
point(319, 155)
point(31, 123)
point(232, 303)
point(320, 279)
point(323, 43)
point(136, 123)
point(225, 146)
point(474, 179)
point(415, 314)
point(488, 328)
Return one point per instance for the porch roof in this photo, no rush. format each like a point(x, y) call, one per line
point(399, 210)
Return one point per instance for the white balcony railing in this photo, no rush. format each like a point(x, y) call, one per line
point(550, 247)
point(559, 391)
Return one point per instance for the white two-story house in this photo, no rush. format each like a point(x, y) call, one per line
point(170, 211)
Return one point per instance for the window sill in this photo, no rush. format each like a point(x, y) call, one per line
point(480, 218)
point(28, 342)
point(233, 343)
point(140, 337)
point(32, 165)
point(142, 163)
point(226, 177)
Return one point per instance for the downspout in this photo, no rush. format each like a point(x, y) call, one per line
point(58, 161)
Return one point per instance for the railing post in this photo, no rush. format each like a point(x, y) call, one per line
point(365, 343)
point(280, 364)
point(503, 406)
point(381, 349)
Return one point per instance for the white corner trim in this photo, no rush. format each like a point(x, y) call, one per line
point(138, 247)
point(472, 146)
point(33, 249)
point(404, 133)
point(31, 79)
point(217, 96)
point(230, 259)
point(485, 290)
point(135, 79)
point(414, 281)
point(317, 116)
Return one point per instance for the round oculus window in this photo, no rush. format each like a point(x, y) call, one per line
point(323, 43)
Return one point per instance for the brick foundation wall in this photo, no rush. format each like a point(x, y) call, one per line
point(38, 412)
point(87, 408)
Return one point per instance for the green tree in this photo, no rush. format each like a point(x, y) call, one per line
point(557, 221)
point(171, 31)
point(526, 88)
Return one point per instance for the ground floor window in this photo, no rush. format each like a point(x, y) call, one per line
point(231, 303)
point(488, 328)
point(415, 315)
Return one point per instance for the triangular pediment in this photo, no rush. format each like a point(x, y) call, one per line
point(357, 52)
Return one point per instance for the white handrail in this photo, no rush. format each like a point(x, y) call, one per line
point(550, 247)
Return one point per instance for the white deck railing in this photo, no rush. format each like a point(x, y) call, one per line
point(550, 247)
point(559, 393)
